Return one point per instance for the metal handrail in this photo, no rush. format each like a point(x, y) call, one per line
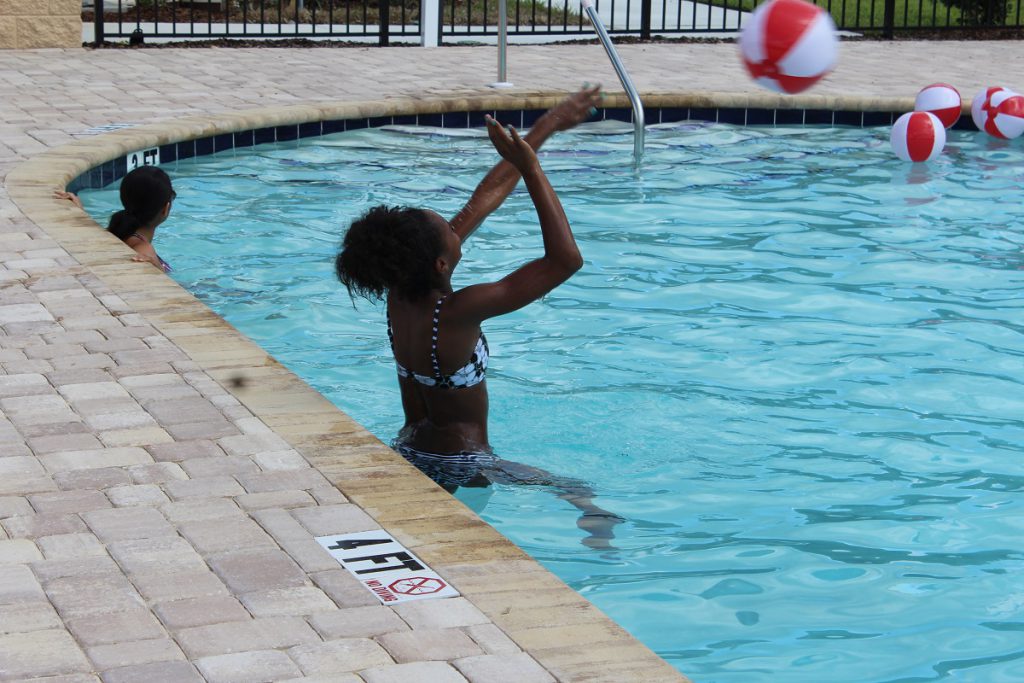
point(624, 79)
point(502, 81)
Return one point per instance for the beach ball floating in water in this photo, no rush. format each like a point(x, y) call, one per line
point(999, 112)
point(942, 100)
point(918, 136)
point(789, 45)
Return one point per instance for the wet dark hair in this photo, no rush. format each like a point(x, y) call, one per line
point(145, 192)
point(389, 248)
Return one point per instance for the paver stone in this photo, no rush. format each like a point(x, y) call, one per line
point(248, 667)
point(421, 672)
point(517, 668)
point(349, 654)
point(40, 653)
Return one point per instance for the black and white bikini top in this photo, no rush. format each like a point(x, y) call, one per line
point(471, 374)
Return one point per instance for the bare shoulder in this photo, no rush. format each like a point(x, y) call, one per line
point(142, 248)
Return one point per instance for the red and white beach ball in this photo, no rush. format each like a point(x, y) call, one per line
point(999, 112)
point(940, 99)
point(918, 136)
point(789, 45)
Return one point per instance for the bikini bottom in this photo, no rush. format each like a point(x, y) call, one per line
point(481, 469)
point(464, 468)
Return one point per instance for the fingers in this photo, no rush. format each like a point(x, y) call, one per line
point(493, 125)
point(585, 101)
point(590, 92)
point(495, 132)
point(500, 134)
point(70, 196)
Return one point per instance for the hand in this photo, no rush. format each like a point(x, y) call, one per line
point(70, 196)
point(510, 146)
point(575, 108)
point(143, 258)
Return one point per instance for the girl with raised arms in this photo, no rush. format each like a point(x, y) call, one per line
point(407, 256)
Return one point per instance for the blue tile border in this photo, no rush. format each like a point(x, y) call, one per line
point(245, 138)
point(263, 135)
point(204, 146)
point(287, 133)
point(818, 116)
point(760, 117)
point(848, 118)
point(733, 116)
point(311, 129)
point(111, 171)
point(334, 126)
point(223, 142)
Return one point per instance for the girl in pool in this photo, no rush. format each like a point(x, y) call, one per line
point(146, 195)
point(407, 255)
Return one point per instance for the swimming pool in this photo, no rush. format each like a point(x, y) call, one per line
point(791, 362)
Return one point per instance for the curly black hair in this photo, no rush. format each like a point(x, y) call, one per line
point(389, 248)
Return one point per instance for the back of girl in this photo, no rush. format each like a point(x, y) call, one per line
point(147, 195)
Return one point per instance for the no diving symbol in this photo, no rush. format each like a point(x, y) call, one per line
point(417, 585)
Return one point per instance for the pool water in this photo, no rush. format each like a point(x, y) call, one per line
point(794, 364)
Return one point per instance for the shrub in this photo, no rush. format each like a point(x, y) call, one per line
point(981, 12)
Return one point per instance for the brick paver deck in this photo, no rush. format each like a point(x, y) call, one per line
point(157, 523)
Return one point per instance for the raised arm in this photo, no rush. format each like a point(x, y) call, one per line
point(501, 180)
point(538, 277)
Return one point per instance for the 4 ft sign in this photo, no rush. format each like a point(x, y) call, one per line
point(386, 567)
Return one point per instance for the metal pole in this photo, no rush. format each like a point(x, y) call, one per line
point(97, 22)
point(645, 19)
point(502, 81)
point(889, 19)
point(384, 11)
point(430, 23)
point(624, 79)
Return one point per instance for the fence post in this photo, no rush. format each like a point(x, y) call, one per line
point(890, 19)
point(430, 23)
point(97, 22)
point(384, 11)
point(645, 19)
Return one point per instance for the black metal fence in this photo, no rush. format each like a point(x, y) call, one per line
point(647, 18)
point(249, 19)
point(463, 19)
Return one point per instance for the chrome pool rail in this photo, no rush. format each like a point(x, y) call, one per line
point(502, 81)
point(624, 79)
